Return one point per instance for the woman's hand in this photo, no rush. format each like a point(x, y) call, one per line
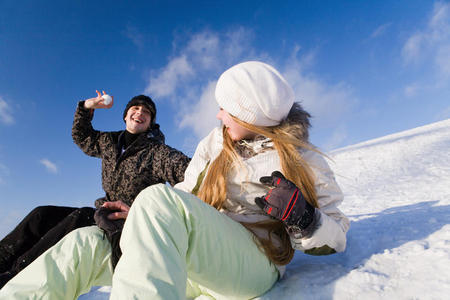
point(120, 210)
point(97, 102)
point(285, 201)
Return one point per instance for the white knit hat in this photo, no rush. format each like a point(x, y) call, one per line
point(255, 93)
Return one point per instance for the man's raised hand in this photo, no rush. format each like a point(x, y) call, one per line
point(97, 102)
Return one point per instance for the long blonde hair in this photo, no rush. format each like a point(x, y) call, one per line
point(287, 138)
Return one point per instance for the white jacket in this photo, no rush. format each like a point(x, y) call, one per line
point(244, 186)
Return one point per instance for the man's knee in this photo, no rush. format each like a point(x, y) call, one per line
point(83, 216)
point(48, 211)
point(87, 211)
point(42, 211)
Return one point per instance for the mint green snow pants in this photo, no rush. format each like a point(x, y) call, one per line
point(174, 246)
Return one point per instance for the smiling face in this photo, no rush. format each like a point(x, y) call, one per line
point(236, 131)
point(138, 119)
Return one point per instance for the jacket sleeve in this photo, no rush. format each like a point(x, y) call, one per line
point(83, 133)
point(331, 224)
point(200, 162)
point(170, 164)
point(194, 169)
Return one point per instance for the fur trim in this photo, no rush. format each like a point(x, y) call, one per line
point(298, 118)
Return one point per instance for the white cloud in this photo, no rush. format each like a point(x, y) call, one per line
point(412, 48)
point(202, 50)
point(337, 138)
point(442, 60)
point(411, 90)
point(317, 96)
point(237, 47)
point(201, 59)
point(134, 36)
point(432, 43)
point(380, 30)
point(6, 116)
point(165, 82)
point(439, 20)
point(50, 166)
point(188, 80)
point(427, 55)
point(202, 117)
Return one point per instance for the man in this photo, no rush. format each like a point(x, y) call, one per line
point(132, 159)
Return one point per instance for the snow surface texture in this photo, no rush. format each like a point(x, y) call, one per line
point(397, 196)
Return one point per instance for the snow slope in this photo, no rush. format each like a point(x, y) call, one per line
point(397, 192)
point(397, 196)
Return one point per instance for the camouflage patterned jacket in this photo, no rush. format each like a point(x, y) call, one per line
point(145, 162)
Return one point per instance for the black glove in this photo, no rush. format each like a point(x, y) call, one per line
point(113, 231)
point(285, 202)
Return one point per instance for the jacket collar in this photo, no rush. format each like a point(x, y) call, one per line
point(250, 148)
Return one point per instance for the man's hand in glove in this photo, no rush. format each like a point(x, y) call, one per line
point(285, 202)
point(111, 217)
point(103, 221)
point(119, 210)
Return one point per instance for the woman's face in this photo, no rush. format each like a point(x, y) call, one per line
point(236, 131)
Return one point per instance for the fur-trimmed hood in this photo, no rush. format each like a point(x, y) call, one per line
point(300, 119)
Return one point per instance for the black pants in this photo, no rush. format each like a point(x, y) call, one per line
point(42, 228)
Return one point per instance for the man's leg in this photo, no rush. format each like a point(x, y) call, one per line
point(29, 231)
point(65, 271)
point(171, 235)
point(80, 217)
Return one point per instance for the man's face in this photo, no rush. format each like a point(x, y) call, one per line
point(138, 119)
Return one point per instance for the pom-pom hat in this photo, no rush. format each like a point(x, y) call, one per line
point(256, 93)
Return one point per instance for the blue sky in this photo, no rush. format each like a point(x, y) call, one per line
point(363, 69)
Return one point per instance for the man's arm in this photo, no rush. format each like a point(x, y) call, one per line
point(83, 133)
point(170, 164)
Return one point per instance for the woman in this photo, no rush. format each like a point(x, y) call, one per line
point(254, 191)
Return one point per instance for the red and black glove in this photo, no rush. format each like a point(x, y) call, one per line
point(285, 202)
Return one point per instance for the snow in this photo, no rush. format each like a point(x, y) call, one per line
point(397, 196)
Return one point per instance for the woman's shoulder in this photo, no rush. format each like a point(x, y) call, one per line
point(312, 155)
point(316, 160)
point(215, 133)
point(213, 141)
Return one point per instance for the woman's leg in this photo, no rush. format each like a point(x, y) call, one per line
point(171, 235)
point(29, 231)
point(65, 271)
